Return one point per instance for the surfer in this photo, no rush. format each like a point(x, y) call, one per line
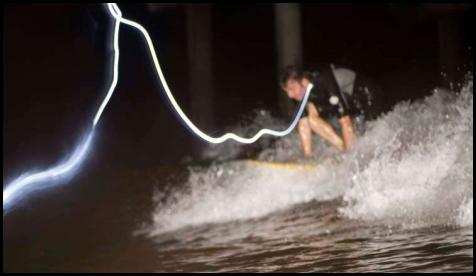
point(338, 93)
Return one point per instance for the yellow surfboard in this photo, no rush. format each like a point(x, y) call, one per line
point(281, 165)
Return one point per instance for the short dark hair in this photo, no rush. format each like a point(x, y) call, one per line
point(291, 72)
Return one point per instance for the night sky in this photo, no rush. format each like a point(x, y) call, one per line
point(57, 63)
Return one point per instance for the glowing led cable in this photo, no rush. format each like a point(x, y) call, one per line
point(23, 184)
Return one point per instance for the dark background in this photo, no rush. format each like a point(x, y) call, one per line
point(57, 68)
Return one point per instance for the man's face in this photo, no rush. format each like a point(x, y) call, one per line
point(295, 89)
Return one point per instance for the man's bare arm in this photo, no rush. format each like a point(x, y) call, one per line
point(347, 131)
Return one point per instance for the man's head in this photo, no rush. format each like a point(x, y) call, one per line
point(294, 82)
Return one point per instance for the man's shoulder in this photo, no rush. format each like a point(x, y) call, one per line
point(345, 79)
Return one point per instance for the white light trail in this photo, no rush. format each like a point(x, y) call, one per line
point(116, 13)
point(20, 186)
point(24, 184)
point(116, 64)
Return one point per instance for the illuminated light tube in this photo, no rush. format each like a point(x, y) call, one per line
point(116, 13)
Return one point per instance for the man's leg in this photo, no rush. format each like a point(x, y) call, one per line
point(305, 135)
point(347, 131)
point(321, 127)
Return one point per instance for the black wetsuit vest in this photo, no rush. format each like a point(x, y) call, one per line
point(326, 95)
point(330, 101)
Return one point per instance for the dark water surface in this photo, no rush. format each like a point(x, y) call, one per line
point(68, 234)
